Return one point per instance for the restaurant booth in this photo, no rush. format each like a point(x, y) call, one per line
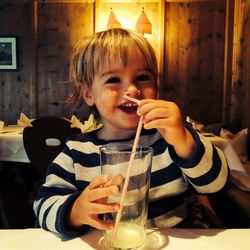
point(203, 55)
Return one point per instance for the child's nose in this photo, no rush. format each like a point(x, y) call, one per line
point(132, 90)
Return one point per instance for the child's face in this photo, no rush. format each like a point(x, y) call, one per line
point(119, 115)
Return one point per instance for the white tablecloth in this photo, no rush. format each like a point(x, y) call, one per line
point(169, 239)
point(11, 145)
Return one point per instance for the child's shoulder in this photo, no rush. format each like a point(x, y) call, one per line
point(82, 142)
point(83, 137)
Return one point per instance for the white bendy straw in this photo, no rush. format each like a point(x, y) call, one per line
point(125, 187)
point(131, 99)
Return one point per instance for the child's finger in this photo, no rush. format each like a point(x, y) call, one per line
point(99, 193)
point(101, 225)
point(117, 180)
point(98, 181)
point(97, 208)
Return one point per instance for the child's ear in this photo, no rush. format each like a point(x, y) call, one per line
point(87, 95)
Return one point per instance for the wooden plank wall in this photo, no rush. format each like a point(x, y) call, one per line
point(192, 64)
point(240, 94)
point(47, 32)
point(242, 85)
point(244, 64)
point(237, 60)
point(194, 58)
point(16, 86)
point(60, 26)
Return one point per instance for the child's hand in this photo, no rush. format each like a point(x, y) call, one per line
point(93, 201)
point(166, 117)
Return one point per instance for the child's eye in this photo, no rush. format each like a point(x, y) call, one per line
point(113, 80)
point(143, 77)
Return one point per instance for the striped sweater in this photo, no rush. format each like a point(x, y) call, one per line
point(205, 170)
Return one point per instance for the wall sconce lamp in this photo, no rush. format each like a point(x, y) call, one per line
point(143, 25)
point(113, 22)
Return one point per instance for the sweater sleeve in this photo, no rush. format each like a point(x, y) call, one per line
point(57, 195)
point(206, 169)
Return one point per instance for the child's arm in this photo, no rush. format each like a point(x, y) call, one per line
point(203, 165)
point(166, 117)
point(92, 202)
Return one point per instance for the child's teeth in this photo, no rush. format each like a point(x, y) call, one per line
point(130, 105)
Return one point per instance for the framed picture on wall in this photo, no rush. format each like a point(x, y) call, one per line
point(8, 53)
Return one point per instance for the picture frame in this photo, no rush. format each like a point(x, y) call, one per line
point(8, 53)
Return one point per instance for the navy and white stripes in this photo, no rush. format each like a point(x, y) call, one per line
point(206, 170)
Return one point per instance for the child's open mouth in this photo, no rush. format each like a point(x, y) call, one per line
point(128, 107)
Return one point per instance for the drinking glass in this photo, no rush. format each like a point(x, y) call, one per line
point(131, 231)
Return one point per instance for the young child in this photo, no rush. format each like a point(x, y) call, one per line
point(106, 66)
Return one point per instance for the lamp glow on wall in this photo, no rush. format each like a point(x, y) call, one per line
point(143, 25)
point(113, 21)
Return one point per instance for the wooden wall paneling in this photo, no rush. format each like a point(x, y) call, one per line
point(60, 26)
point(237, 60)
point(161, 47)
point(171, 65)
point(216, 48)
point(245, 66)
point(247, 75)
point(241, 66)
point(194, 47)
point(241, 70)
point(15, 86)
point(31, 46)
point(228, 60)
point(181, 54)
point(185, 73)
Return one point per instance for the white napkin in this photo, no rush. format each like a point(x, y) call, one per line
point(24, 121)
point(238, 141)
point(75, 123)
point(1, 125)
point(88, 125)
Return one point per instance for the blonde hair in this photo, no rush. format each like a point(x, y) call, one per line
point(91, 55)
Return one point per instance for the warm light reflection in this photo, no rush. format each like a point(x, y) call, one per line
point(113, 21)
point(143, 25)
point(126, 18)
